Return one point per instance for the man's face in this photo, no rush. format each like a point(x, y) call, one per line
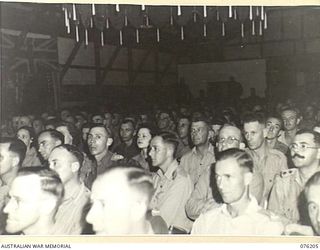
point(126, 131)
point(24, 136)
point(80, 121)
point(309, 113)
point(290, 119)
point(6, 158)
point(253, 132)
point(60, 160)
point(15, 122)
point(273, 126)
point(163, 121)
point(23, 208)
point(304, 151)
point(64, 114)
point(37, 126)
point(158, 151)
point(229, 137)
point(46, 144)
point(183, 128)
point(110, 212)
point(24, 121)
point(97, 141)
point(97, 119)
point(85, 133)
point(216, 128)
point(199, 133)
point(67, 136)
point(313, 199)
point(108, 119)
point(143, 138)
point(230, 180)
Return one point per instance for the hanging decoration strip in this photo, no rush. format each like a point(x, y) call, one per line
point(80, 18)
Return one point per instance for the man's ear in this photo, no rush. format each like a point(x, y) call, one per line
point(109, 142)
point(247, 178)
point(75, 166)
point(15, 160)
point(58, 143)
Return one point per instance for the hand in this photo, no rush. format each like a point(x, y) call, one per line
point(116, 157)
point(296, 229)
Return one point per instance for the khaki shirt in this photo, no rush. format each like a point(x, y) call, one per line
point(202, 193)
point(69, 219)
point(254, 221)
point(284, 197)
point(194, 165)
point(270, 165)
point(172, 192)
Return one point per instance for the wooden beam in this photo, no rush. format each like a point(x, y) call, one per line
point(130, 67)
point(167, 67)
point(97, 62)
point(110, 63)
point(142, 62)
point(70, 60)
point(156, 66)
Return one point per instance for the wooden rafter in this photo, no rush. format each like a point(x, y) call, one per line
point(110, 63)
point(167, 67)
point(70, 60)
point(142, 62)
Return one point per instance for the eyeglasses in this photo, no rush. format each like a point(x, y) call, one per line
point(229, 140)
point(301, 147)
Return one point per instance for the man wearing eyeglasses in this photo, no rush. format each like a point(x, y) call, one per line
point(202, 197)
point(286, 198)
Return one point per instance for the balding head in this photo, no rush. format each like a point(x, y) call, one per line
point(229, 137)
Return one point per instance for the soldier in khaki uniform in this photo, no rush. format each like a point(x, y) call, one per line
point(173, 185)
point(305, 153)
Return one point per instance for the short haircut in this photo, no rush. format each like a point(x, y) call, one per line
point(242, 157)
point(254, 117)
point(74, 151)
point(169, 138)
point(184, 117)
point(16, 146)
point(128, 120)
point(201, 118)
point(293, 109)
point(87, 125)
point(316, 135)
point(276, 116)
point(50, 181)
point(234, 126)
point(100, 125)
point(97, 114)
point(56, 135)
point(313, 181)
point(137, 179)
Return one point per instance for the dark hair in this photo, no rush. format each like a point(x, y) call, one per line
point(316, 135)
point(56, 135)
point(293, 109)
point(31, 132)
point(100, 125)
point(201, 118)
point(74, 151)
point(128, 120)
point(88, 125)
point(152, 129)
point(242, 157)
point(16, 146)
point(254, 117)
point(171, 139)
point(276, 116)
point(314, 180)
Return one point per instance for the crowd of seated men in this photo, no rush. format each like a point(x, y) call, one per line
point(176, 169)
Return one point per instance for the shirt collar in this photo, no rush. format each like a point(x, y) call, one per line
point(170, 171)
point(210, 150)
point(252, 207)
